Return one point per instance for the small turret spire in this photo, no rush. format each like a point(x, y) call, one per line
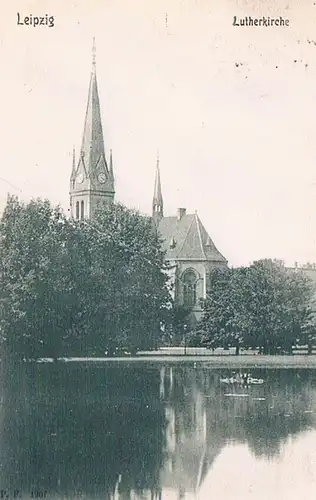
point(157, 199)
point(73, 171)
point(111, 166)
point(93, 54)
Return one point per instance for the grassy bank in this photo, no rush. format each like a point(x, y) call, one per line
point(213, 361)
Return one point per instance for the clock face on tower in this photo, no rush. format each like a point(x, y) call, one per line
point(80, 178)
point(102, 178)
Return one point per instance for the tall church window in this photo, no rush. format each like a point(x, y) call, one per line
point(77, 210)
point(82, 210)
point(189, 288)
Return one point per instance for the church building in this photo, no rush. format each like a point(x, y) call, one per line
point(190, 251)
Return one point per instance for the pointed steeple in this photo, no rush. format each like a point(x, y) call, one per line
point(73, 171)
point(92, 147)
point(93, 54)
point(92, 180)
point(111, 166)
point(157, 199)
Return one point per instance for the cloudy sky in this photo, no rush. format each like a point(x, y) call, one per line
point(231, 110)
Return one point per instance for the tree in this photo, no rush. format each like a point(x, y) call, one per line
point(129, 267)
point(308, 329)
point(218, 323)
point(79, 287)
point(178, 323)
point(37, 298)
point(264, 305)
point(280, 298)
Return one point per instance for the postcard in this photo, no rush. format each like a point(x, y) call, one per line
point(157, 250)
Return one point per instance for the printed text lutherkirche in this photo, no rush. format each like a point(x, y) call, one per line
point(261, 21)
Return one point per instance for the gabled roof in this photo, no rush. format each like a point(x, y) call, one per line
point(185, 237)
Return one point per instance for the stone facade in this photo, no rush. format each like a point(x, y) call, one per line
point(192, 256)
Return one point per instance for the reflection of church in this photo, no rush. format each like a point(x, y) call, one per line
point(206, 420)
point(190, 251)
point(187, 451)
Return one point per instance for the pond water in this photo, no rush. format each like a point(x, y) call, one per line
point(156, 431)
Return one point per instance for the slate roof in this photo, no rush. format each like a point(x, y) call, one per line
point(186, 238)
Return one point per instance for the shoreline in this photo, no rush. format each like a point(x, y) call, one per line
point(210, 361)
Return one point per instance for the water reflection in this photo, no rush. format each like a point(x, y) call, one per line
point(143, 431)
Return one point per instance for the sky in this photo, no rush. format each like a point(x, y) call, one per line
point(230, 109)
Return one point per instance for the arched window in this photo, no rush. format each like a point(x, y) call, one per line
point(77, 210)
point(189, 288)
point(82, 210)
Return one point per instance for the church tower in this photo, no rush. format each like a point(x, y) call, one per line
point(92, 179)
point(157, 212)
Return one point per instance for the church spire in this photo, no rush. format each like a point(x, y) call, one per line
point(157, 199)
point(93, 54)
point(92, 146)
point(92, 180)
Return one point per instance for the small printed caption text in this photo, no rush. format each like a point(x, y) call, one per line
point(35, 21)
